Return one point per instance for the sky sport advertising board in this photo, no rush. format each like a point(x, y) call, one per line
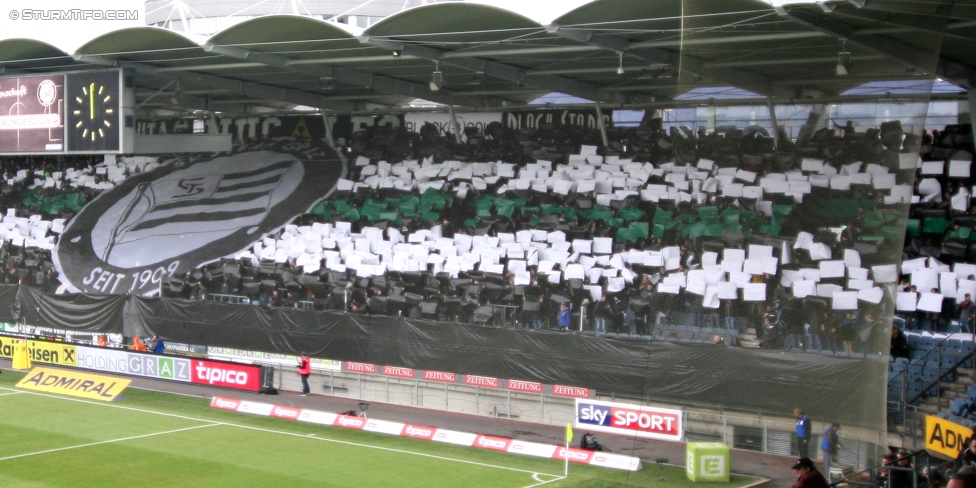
point(626, 419)
point(31, 114)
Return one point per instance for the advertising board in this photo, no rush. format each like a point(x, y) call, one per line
point(227, 375)
point(124, 362)
point(945, 437)
point(200, 371)
point(627, 419)
point(31, 114)
point(229, 354)
point(74, 383)
point(467, 439)
point(59, 353)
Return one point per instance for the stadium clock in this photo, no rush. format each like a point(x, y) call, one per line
point(93, 111)
point(94, 102)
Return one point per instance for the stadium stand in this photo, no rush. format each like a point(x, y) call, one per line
point(472, 232)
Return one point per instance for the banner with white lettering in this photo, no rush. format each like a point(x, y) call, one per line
point(478, 120)
point(252, 128)
point(191, 210)
point(581, 117)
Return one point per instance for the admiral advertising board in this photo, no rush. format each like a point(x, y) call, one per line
point(191, 210)
point(626, 419)
point(74, 383)
point(945, 437)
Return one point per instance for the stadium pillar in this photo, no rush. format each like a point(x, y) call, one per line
point(772, 119)
point(328, 131)
point(454, 122)
point(971, 95)
point(814, 120)
point(603, 127)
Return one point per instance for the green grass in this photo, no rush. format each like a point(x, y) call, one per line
point(149, 439)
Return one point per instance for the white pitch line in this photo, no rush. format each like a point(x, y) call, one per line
point(304, 436)
point(11, 393)
point(108, 441)
point(540, 482)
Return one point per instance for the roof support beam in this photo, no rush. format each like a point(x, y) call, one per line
point(946, 10)
point(252, 90)
point(958, 73)
point(913, 22)
point(350, 76)
point(499, 70)
point(736, 77)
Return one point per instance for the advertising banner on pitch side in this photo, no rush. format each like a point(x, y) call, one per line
point(622, 418)
point(59, 353)
point(200, 371)
point(74, 383)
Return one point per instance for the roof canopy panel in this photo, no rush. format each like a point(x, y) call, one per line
point(138, 39)
point(455, 23)
point(619, 52)
point(21, 49)
point(281, 29)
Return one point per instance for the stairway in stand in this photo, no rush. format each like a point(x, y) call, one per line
point(912, 436)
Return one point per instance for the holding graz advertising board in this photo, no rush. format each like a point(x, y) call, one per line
point(108, 360)
point(200, 371)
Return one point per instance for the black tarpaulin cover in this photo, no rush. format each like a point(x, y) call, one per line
point(82, 312)
point(851, 391)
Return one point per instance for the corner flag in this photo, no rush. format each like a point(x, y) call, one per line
point(569, 433)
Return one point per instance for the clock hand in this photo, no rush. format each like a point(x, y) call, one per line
point(91, 97)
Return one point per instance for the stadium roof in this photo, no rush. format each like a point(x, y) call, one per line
point(489, 57)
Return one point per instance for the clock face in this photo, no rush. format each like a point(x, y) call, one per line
point(93, 111)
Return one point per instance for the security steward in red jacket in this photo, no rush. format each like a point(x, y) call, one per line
point(305, 369)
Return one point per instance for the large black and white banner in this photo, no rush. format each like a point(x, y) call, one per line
point(191, 210)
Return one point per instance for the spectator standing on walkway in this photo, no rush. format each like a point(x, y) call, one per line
point(565, 317)
point(967, 310)
point(829, 445)
point(803, 432)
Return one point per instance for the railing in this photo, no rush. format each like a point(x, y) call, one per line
point(922, 360)
point(756, 431)
point(235, 299)
point(911, 471)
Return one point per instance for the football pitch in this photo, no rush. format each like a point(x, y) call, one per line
point(148, 438)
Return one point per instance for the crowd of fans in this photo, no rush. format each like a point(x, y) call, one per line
point(783, 318)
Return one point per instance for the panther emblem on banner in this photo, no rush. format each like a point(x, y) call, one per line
point(192, 210)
